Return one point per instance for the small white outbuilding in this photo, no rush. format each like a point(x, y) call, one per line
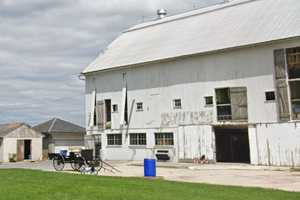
point(18, 141)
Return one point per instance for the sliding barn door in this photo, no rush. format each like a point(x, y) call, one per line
point(281, 85)
point(20, 150)
point(238, 99)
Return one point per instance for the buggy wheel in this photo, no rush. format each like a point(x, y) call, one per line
point(97, 170)
point(58, 163)
point(77, 163)
point(98, 166)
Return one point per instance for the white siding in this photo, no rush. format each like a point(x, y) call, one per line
point(277, 144)
point(10, 147)
point(191, 79)
point(66, 141)
point(1, 149)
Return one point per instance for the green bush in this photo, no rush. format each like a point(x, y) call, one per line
point(12, 157)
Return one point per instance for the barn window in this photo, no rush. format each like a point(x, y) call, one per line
point(103, 114)
point(295, 98)
point(139, 106)
point(293, 66)
point(223, 104)
point(209, 100)
point(137, 138)
point(232, 103)
point(115, 108)
point(177, 103)
point(114, 139)
point(293, 61)
point(162, 139)
point(270, 95)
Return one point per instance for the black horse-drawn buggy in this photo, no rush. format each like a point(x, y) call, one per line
point(84, 162)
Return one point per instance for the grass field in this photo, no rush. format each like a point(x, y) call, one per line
point(37, 185)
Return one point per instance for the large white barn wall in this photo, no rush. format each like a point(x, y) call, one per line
point(191, 79)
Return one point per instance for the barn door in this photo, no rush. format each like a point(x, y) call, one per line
point(20, 150)
point(100, 114)
point(238, 99)
point(281, 85)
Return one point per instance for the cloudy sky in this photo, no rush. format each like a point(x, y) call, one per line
point(45, 44)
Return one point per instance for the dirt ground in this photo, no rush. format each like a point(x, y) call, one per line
point(222, 174)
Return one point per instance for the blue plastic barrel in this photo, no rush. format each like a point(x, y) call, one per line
point(150, 167)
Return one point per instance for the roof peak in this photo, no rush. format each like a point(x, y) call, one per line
point(58, 125)
point(191, 13)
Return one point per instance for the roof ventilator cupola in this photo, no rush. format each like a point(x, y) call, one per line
point(161, 13)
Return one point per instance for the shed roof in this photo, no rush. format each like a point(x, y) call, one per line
point(58, 126)
point(5, 129)
point(224, 26)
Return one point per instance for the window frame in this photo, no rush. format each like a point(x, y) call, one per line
point(177, 107)
point(266, 96)
point(115, 141)
point(294, 101)
point(231, 104)
point(141, 108)
point(220, 105)
point(206, 101)
point(294, 116)
point(141, 139)
point(113, 108)
point(166, 141)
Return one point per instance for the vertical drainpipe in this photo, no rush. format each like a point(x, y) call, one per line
point(257, 147)
point(177, 143)
point(213, 144)
point(124, 94)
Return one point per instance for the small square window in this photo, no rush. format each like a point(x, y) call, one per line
point(270, 96)
point(115, 108)
point(177, 103)
point(139, 106)
point(209, 100)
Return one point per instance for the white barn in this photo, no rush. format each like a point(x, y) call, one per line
point(222, 81)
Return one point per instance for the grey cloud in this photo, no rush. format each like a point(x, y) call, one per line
point(45, 44)
point(21, 8)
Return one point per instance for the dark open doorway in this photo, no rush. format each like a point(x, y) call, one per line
point(108, 110)
point(27, 149)
point(232, 145)
point(98, 146)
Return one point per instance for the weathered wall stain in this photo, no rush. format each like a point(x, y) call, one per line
point(186, 118)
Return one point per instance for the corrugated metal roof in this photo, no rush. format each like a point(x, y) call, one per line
point(234, 24)
point(56, 125)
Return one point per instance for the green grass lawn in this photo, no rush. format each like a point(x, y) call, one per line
point(37, 185)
